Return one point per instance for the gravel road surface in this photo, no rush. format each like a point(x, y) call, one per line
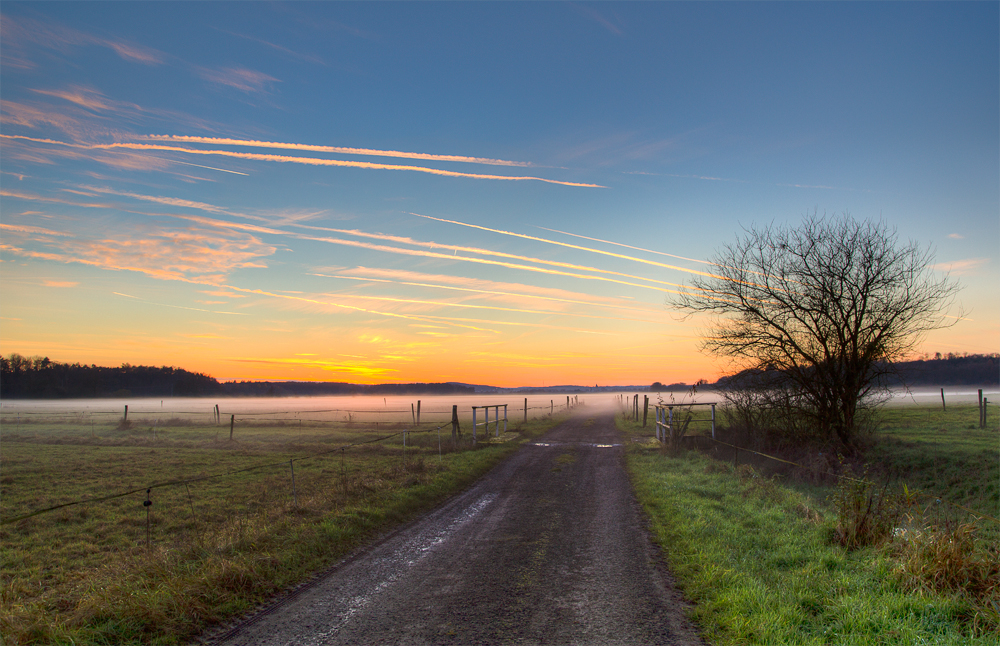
point(548, 548)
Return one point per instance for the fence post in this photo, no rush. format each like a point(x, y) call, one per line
point(567, 402)
point(413, 414)
point(505, 419)
point(232, 423)
point(473, 425)
point(147, 503)
point(486, 422)
point(552, 406)
point(985, 403)
point(713, 421)
point(418, 412)
point(525, 410)
point(454, 424)
point(295, 498)
point(942, 400)
point(125, 419)
point(645, 409)
point(981, 422)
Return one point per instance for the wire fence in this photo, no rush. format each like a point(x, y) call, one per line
point(664, 434)
point(398, 440)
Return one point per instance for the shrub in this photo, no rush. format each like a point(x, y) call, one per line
point(866, 515)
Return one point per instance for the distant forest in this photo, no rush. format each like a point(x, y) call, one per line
point(40, 378)
point(952, 370)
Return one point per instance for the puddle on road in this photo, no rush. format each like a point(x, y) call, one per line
point(596, 446)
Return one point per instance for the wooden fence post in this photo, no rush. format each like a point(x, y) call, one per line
point(525, 410)
point(645, 409)
point(418, 412)
point(232, 423)
point(981, 422)
point(125, 419)
point(942, 400)
point(454, 425)
point(413, 414)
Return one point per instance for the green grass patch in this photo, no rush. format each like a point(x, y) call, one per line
point(759, 558)
point(217, 547)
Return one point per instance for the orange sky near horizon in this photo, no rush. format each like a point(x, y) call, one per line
point(337, 192)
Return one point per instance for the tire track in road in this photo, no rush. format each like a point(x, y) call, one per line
point(549, 547)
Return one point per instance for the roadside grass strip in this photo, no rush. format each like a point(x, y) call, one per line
point(218, 548)
point(759, 562)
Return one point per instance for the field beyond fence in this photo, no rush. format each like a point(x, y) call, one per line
point(150, 527)
point(897, 545)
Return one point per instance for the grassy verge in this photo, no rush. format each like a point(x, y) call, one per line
point(760, 563)
point(216, 548)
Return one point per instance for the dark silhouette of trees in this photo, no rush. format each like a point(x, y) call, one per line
point(818, 314)
point(38, 377)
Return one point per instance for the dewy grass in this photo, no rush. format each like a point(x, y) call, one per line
point(217, 548)
point(760, 563)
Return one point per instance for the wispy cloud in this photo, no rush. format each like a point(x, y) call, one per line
point(19, 32)
point(966, 267)
point(363, 369)
point(241, 78)
point(612, 23)
point(60, 283)
point(176, 307)
point(284, 50)
point(192, 252)
point(21, 228)
point(956, 236)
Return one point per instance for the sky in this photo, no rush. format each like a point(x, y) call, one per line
point(494, 193)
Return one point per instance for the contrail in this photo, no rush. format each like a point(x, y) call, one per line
point(314, 301)
point(488, 291)
point(597, 251)
point(222, 170)
point(223, 141)
point(311, 161)
point(483, 307)
point(480, 251)
point(571, 246)
point(498, 263)
point(628, 246)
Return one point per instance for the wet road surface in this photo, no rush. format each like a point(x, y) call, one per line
point(548, 548)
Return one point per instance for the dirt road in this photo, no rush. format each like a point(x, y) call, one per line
point(548, 548)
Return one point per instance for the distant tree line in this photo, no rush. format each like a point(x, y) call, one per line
point(950, 370)
point(41, 378)
point(38, 377)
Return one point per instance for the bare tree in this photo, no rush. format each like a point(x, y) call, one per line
point(827, 307)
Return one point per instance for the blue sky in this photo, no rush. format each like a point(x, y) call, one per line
point(144, 222)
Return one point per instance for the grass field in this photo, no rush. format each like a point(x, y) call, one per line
point(212, 547)
point(758, 556)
